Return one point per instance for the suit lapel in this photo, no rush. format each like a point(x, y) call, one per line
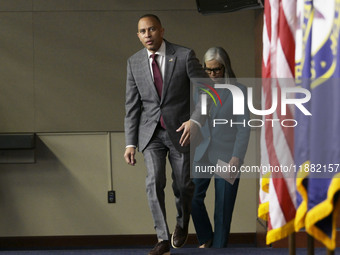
point(170, 61)
point(224, 94)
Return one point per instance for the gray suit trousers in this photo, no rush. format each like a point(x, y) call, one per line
point(155, 155)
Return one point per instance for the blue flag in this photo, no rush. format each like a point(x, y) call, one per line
point(317, 140)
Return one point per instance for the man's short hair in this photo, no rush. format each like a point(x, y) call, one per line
point(149, 15)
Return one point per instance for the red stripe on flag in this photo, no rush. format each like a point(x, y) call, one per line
point(287, 41)
point(288, 131)
point(267, 11)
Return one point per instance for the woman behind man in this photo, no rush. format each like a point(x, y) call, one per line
point(222, 142)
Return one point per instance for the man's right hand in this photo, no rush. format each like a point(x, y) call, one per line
point(129, 155)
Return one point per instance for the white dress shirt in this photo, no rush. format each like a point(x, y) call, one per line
point(160, 59)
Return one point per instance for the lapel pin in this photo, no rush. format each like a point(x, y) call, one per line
point(171, 59)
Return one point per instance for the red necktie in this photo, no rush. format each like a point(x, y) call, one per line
point(157, 78)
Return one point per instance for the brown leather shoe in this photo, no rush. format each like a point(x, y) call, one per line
point(161, 248)
point(179, 237)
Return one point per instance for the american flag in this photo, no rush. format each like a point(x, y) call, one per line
point(277, 189)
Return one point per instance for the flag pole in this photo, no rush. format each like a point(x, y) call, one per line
point(330, 252)
point(292, 244)
point(310, 245)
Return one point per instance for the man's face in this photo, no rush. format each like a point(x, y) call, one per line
point(150, 33)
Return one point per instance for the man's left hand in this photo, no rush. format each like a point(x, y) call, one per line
point(189, 128)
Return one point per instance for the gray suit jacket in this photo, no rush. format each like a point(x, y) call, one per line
point(143, 105)
point(225, 141)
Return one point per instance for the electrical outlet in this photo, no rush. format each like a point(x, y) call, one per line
point(111, 196)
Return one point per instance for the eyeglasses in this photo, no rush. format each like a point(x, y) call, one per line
point(216, 70)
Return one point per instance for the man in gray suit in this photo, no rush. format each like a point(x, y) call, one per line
point(159, 123)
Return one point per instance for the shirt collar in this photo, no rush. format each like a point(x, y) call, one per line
point(161, 50)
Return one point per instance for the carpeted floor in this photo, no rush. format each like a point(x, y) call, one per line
point(183, 251)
